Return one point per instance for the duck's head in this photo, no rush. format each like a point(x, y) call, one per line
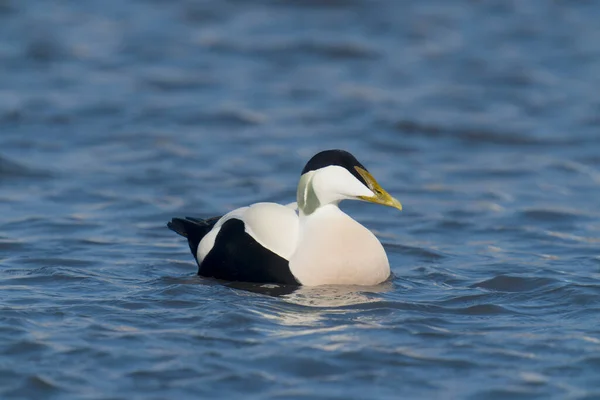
point(335, 175)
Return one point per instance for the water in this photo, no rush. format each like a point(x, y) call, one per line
point(481, 117)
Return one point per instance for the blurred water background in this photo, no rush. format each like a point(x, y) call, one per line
point(482, 117)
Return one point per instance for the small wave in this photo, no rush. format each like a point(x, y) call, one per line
point(320, 3)
point(51, 262)
point(34, 386)
point(6, 8)
point(25, 347)
point(506, 283)
point(476, 136)
point(297, 48)
point(413, 251)
point(176, 80)
point(550, 215)
point(52, 275)
point(226, 117)
point(573, 294)
point(13, 169)
point(45, 48)
point(12, 245)
point(334, 50)
point(591, 362)
point(485, 309)
point(508, 393)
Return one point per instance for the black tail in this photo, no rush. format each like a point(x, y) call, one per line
point(193, 229)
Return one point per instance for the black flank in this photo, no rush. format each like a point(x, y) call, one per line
point(236, 256)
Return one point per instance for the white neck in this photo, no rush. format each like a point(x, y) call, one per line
point(328, 186)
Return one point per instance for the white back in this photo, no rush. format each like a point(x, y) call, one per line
point(272, 225)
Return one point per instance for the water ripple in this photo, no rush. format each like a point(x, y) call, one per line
point(506, 283)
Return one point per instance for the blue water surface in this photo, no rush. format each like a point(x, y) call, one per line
point(482, 117)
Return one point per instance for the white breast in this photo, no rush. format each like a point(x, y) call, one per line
point(335, 249)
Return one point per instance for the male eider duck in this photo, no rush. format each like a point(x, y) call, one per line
point(319, 245)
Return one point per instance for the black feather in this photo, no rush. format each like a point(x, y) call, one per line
point(339, 158)
point(237, 256)
point(193, 229)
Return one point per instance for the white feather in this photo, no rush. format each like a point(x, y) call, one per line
point(293, 206)
point(272, 225)
point(333, 184)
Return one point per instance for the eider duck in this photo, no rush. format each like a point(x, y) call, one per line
point(318, 244)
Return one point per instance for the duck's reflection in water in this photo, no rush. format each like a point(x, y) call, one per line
point(317, 296)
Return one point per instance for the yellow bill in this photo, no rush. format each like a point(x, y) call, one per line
point(381, 196)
